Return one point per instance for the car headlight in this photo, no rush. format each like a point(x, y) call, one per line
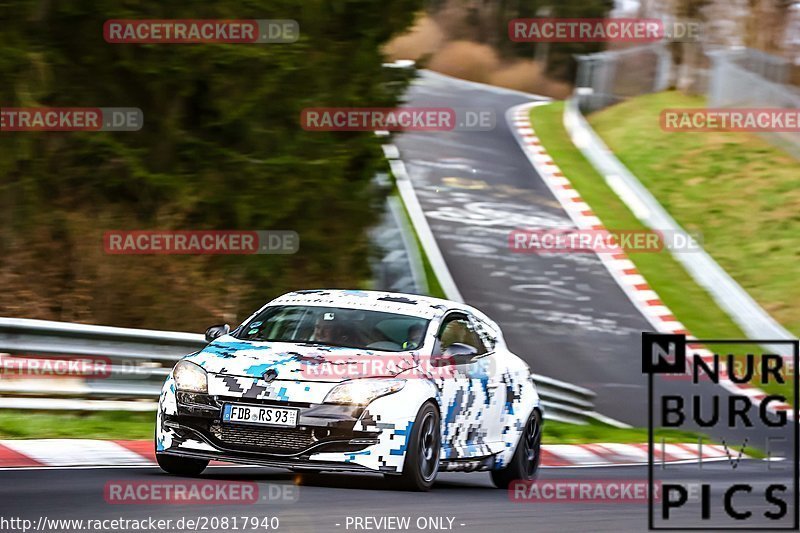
point(190, 377)
point(363, 391)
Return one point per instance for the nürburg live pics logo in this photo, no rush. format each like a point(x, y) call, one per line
point(739, 396)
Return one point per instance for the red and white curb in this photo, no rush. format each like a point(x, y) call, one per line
point(610, 454)
point(618, 264)
point(58, 453)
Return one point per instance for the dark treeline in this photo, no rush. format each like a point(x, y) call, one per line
point(221, 148)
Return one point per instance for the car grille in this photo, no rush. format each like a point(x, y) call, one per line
point(263, 439)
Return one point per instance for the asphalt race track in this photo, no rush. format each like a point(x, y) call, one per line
point(564, 315)
point(323, 501)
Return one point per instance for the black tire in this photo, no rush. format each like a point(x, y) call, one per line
point(422, 453)
point(525, 463)
point(181, 466)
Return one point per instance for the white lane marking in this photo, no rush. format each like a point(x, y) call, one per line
point(424, 232)
point(657, 311)
point(608, 420)
point(645, 296)
point(622, 264)
point(633, 279)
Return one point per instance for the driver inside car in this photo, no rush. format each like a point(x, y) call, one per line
point(335, 331)
point(326, 331)
point(416, 334)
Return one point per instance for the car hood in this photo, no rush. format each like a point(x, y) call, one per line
point(298, 362)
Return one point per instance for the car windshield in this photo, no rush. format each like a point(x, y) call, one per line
point(334, 326)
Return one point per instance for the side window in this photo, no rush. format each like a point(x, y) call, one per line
point(458, 329)
point(485, 333)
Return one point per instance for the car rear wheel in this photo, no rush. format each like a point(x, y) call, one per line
point(181, 466)
point(422, 452)
point(525, 462)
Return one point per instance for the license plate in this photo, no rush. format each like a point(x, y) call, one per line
point(259, 414)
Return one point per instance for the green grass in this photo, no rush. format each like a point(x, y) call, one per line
point(561, 433)
point(690, 303)
point(74, 425)
point(739, 191)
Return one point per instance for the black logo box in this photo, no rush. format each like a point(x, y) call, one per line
point(674, 347)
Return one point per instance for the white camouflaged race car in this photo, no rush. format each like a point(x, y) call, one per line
point(348, 380)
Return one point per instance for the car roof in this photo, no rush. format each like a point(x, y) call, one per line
point(390, 302)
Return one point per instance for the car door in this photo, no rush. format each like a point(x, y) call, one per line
point(466, 393)
point(489, 374)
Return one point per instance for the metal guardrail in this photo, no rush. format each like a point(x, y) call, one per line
point(141, 360)
point(725, 291)
point(565, 402)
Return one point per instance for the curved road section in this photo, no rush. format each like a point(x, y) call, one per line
point(564, 314)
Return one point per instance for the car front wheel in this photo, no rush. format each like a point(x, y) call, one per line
point(181, 466)
point(422, 452)
point(525, 462)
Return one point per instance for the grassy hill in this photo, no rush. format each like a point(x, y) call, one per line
point(735, 188)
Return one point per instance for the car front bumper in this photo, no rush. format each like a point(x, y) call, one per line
point(327, 437)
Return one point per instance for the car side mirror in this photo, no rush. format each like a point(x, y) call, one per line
point(456, 354)
point(217, 331)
